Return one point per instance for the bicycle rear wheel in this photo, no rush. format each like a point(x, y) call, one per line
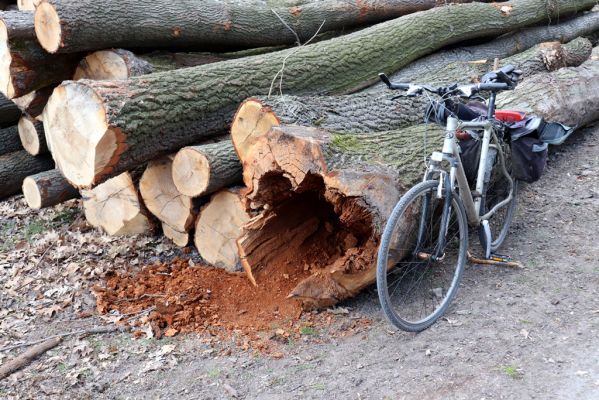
point(414, 286)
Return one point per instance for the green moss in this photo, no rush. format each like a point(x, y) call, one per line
point(347, 143)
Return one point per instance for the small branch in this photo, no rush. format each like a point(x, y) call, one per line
point(91, 331)
point(24, 359)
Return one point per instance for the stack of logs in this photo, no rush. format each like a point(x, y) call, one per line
point(265, 136)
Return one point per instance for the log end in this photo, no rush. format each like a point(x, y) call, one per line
point(102, 65)
point(181, 239)
point(252, 120)
point(47, 27)
point(29, 136)
point(6, 84)
point(32, 194)
point(191, 172)
point(86, 147)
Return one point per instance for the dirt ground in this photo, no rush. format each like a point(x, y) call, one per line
point(511, 334)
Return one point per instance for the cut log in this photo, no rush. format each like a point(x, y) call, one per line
point(14, 167)
point(32, 137)
point(28, 5)
point(33, 103)
point(9, 112)
point(102, 135)
point(79, 25)
point(181, 239)
point(162, 198)
point(218, 227)
point(377, 111)
point(112, 64)
point(25, 65)
point(9, 140)
point(508, 45)
point(323, 198)
point(204, 169)
point(47, 189)
point(116, 207)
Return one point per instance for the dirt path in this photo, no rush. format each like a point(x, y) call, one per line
point(531, 333)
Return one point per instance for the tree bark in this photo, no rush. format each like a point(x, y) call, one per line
point(47, 189)
point(116, 207)
point(14, 167)
point(204, 169)
point(79, 25)
point(218, 227)
point(376, 110)
point(193, 103)
point(162, 198)
point(26, 66)
point(9, 112)
point(32, 137)
point(9, 140)
point(311, 186)
point(33, 103)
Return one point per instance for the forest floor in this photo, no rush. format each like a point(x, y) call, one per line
point(530, 333)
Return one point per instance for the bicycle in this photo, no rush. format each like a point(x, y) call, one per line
point(424, 246)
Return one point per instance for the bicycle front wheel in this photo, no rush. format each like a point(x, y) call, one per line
point(417, 278)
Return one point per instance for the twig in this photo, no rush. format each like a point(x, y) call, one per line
point(91, 331)
point(143, 296)
point(24, 359)
point(297, 39)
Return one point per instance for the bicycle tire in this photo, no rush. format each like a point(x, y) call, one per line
point(398, 315)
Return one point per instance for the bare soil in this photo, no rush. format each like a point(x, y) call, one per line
point(530, 333)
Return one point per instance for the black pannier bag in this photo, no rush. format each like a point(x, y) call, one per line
point(529, 153)
point(470, 156)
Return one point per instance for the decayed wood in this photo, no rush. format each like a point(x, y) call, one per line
point(32, 137)
point(218, 227)
point(116, 207)
point(113, 117)
point(14, 167)
point(9, 112)
point(9, 140)
point(204, 169)
point(26, 66)
point(295, 171)
point(33, 103)
point(24, 359)
point(46, 189)
point(376, 110)
point(162, 198)
point(80, 25)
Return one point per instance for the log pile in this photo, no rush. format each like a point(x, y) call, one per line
point(156, 113)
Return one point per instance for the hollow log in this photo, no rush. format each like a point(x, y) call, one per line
point(376, 110)
point(26, 66)
point(102, 135)
point(47, 189)
point(9, 112)
point(218, 227)
point(79, 25)
point(116, 207)
point(33, 103)
point(204, 169)
point(162, 198)
point(14, 167)
point(323, 198)
point(505, 46)
point(9, 140)
point(32, 137)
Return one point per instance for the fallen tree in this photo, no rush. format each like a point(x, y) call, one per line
point(78, 25)
point(46, 189)
point(14, 167)
point(26, 66)
point(194, 103)
point(324, 197)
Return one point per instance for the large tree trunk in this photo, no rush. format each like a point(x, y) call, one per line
point(162, 198)
point(14, 167)
point(376, 110)
point(193, 103)
point(78, 25)
point(116, 207)
point(47, 189)
point(204, 169)
point(218, 227)
point(26, 66)
point(9, 112)
point(312, 187)
point(32, 137)
point(9, 140)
